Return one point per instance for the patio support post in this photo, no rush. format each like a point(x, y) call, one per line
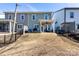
point(47, 26)
point(40, 26)
point(10, 27)
point(54, 27)
point(43, 28)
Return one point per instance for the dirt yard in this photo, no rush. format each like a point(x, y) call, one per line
point(41, 44)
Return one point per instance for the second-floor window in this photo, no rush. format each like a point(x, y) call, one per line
point(33, 16)
point(9, 16)
point(78, 26)
point(46, 16)
point(71, 14)
point(22, 16)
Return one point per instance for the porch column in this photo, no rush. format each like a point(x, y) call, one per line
point(10, 28)
point(40, 26)
point(43, 28)
point(47, 27)
point(53, 27)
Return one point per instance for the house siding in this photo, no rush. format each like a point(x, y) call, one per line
point(75, 19)
point(7, 14)
point(19, 21)
point(58, 18)
point(64, 16)
point(28, 18)
point(38, 18)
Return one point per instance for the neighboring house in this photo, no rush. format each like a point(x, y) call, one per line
point(41, 21)
point(4, 24)
point(67, 19)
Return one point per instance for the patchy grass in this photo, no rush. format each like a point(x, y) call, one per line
point(39, 44)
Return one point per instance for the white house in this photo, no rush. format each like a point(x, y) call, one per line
point(67, 19)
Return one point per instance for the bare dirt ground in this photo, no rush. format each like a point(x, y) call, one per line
point(41, 44)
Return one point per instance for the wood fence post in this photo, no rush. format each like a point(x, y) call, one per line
point(15, 37)
point(4, 39)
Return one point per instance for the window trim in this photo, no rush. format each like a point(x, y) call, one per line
point(21, 16)
point(32, 17)
point(21, 25)
point(9, 16)
point(71, 14)
point(35, 25)
point(77, 26)
point(45, 16)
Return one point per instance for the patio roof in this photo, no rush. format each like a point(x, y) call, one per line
point(44, 22)
point(6, 20)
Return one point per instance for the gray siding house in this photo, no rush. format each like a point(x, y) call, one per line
point(41, 21)
point(67, 19)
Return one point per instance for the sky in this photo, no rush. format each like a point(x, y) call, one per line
point(34, 7)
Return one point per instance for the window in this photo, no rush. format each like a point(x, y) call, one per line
point(46, 16)
point(9, 16)
point(48, 27)
point(71, 15)
point(19, 26)
point(22, 16)
point(56, 22)
point(36, 26)
point(78, 26)
point(33, 16)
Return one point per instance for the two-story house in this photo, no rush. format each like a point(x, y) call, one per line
point(67, 19)
point(41, 21)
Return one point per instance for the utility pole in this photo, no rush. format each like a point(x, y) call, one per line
point(14, 22)
point(15, 17)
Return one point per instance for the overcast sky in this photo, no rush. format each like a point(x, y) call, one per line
point(35, 6)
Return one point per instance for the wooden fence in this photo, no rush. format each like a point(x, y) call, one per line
point(6, 39)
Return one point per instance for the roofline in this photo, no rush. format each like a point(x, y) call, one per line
point(59, 10)
point(30, 12)
point(67, 8)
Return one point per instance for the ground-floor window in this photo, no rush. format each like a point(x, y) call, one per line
point(36, 26)
point(78, 26)
point(48, 27)
point(7, 27)
point(4, 27)
point(20, 26)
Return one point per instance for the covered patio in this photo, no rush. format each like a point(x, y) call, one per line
point(6, 26)
point(45, 24)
